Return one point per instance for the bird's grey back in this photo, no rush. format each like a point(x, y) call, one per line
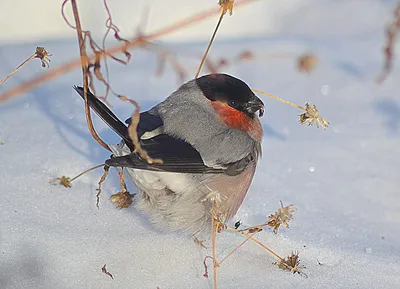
point(186, 112)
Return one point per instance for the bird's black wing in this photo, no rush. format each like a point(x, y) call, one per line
point(177, 155)
point(107, 116)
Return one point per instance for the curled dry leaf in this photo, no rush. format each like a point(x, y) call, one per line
point(281, 218)
point(205, 265)
point(197, 241)
point(292, 264)
point(104, 270)
point(307, 63)
point(311, 117)
point(254, 230)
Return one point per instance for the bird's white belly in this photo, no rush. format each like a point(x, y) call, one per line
point(150, 181)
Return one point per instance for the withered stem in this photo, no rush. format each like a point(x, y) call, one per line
point(209, 45)
point(84, 64)
point(278, 98)
point(82, 173)
point(33, 56)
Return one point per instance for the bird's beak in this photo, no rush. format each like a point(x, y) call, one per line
point(255, 104)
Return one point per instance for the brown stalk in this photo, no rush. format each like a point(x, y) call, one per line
point(100, 183)
point(209, 44)
point(137, 41)
point(84, 64)
point(33, 56)
point(278, 98)
point(133, 135)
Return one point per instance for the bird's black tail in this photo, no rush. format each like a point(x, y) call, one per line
point(106, 115)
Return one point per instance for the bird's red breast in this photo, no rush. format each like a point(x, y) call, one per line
point(238, 120)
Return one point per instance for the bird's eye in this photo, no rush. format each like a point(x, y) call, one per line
point(233, 103)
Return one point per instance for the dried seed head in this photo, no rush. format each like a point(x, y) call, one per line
point(43, 55)
point(281, 218)
point(292, 264)
point(122, 199)
point(65, 181)
point(226, 5)
point(311, 117)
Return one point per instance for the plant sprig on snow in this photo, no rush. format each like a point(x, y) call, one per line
point(291, 263)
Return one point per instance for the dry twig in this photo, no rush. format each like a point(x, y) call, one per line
point(66, 181)
point(102, 179)
point(135, 42)
point(225, 5)
point(132, 131)
point(85, 64)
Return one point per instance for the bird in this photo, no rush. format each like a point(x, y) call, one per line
point(208, 135)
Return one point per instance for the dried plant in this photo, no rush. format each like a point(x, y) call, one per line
point(136, 41)
point(132, 129)
point(311, 117)
point(281, 217)
point(391, 33)
point(40, 53)
point(102, 179)
point(123, 199)
point(292, 264)
point(225, 5)
point(65, 181)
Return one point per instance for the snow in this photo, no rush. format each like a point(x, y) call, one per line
point(343, 181)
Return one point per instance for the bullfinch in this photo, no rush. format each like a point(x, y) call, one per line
point(208, 135)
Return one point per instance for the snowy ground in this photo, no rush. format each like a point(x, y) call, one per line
point(348, 209)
